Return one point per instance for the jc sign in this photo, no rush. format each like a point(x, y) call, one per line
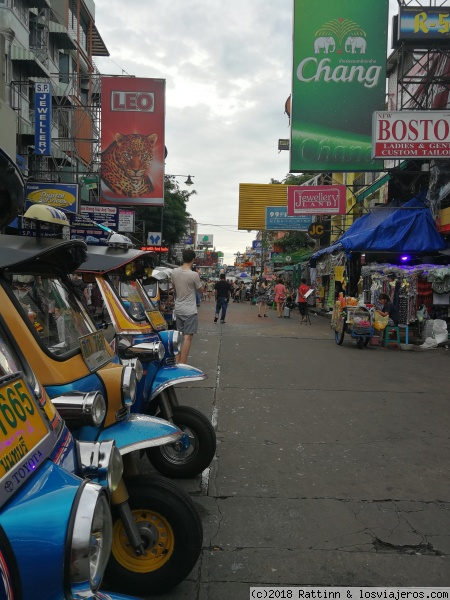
point(316, 230)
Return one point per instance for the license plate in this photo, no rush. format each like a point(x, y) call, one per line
point(157, 321)
point(94, 351)
point(23, 436)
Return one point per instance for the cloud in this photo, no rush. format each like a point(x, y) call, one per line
point(227, 67)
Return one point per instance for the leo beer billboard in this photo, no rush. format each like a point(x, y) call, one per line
point(132, 141)
point(339, 80)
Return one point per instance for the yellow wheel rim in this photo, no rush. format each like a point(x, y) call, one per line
point(157, 536)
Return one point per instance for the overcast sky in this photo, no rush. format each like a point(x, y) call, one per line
point(227, 67)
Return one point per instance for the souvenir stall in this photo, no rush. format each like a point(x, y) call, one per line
point(419, 293)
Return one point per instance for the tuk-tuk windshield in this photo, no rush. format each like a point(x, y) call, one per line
point(54, 310)
point(127, 292)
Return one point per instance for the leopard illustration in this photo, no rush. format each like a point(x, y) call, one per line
point(125, 163)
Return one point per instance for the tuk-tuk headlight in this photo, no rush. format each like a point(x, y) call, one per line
point(128, 386)
point(177, 341)
point(79, 409)
point(101, 462)
point(89, 545)
point(145, 351)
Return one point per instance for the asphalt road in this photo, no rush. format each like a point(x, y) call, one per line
point(332, 465)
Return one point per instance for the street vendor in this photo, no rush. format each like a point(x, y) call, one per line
point(388, 309)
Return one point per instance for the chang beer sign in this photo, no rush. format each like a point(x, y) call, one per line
point(339, 77)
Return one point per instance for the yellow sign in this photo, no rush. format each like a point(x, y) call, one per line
point(157, 321)
point(94, 351)
point(254, 198)
point(21, 424)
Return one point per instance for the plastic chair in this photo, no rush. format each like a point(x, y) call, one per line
point(388, 340)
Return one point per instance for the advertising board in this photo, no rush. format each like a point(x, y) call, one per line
point(57, 195)
point(132, 141)
point(338, 81)
point(419, 24)
point(316, 200)
point(411, 134)
point(277, 219)
point(43, 119)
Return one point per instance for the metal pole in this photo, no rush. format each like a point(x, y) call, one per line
point(161, 227)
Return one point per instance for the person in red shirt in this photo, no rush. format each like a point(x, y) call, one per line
point(303, 288)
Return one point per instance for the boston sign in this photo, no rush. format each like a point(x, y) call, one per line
point(411, 134)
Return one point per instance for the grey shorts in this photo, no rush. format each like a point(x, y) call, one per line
point(187, 325)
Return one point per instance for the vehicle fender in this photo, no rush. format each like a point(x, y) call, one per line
point(140, 431)
point(40, 553)
point(169, 375)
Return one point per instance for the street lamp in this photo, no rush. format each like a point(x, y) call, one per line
point(188, 180)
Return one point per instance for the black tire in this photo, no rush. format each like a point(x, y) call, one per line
point(360, 343)
point(173, 461)
point(340, 332)
point(164, 510)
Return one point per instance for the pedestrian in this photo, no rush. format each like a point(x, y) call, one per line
point(388, 309)
point(280, 296)
point(210, 288)
point(261, 298)
point(222, 293)
point(186, 283)
point(302, 290)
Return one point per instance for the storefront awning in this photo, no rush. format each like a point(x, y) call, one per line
point(98, 45)
point(29, 60)
point(61, 36)
point(372, 188)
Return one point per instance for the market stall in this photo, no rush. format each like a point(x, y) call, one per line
point(407, 234)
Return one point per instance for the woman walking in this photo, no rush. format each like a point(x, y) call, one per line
point(261, 298)
point(280, 297)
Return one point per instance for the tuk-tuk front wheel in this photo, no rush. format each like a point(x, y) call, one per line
point(191, 455)
point(171, 533)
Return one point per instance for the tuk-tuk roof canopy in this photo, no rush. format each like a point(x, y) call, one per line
point(101, 259)
point(40, 254)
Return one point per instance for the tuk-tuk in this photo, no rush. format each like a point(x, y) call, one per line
point(118, 272)
point(71, 358)
point(55, 528)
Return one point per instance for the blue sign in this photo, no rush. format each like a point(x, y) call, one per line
point(277, 219)
point(43, 119)
point(256, 244)
point(83, 226)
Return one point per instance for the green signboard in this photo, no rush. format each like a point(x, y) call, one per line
point(339, 80)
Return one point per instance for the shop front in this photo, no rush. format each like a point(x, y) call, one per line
point(395, 251)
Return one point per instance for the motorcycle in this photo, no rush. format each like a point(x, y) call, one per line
point(157, 532)
point(55, 528)
point(118, 272)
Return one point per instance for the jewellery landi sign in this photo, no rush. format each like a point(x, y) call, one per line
point(338, 82)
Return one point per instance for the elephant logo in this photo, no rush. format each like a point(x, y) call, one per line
point(352, 44)
point(340, 35)
point(327, 44)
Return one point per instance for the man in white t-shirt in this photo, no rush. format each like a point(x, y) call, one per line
point(186, 282)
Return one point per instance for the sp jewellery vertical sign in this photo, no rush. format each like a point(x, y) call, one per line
point(43, 119)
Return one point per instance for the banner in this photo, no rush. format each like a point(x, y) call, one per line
point(339, 78)
point(411, 134)
point(277, 219)
point(57, 195)
point(132, 141)
point(43, 119)
point(316, 200)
